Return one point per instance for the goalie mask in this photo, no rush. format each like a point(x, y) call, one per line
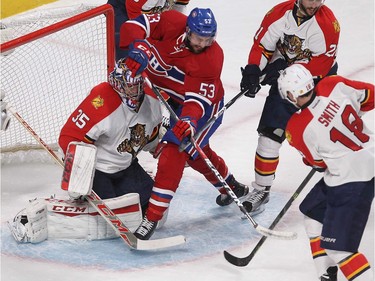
point(295, 81)
point(130, 89)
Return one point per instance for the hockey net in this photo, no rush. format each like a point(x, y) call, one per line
point(50, 60)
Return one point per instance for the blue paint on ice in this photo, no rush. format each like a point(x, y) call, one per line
point(208, 228)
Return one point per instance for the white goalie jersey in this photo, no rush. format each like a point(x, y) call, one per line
point(118, 132)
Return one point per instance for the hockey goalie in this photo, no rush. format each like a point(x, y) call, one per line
point(100, 154)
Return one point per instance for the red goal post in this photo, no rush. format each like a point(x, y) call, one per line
point(50, 60)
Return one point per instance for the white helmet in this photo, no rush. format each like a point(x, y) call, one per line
point(296, 80)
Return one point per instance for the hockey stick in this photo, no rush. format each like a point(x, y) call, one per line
point(262, 230)
point(245, 261)
point(213, 119)
point(108, 215)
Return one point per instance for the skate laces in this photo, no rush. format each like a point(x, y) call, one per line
point(257, 195)
point(145, 227)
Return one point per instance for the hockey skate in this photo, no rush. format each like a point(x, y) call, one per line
point(238, 188)
point(145, 229)
point(254, 201)
point(331, 274)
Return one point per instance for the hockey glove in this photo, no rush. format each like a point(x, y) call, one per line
point(272, 71)
point(138, 56)
point(185, 127)
point(250, 80)
point(319, 169)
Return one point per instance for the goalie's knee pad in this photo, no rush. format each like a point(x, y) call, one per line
point(73, 219)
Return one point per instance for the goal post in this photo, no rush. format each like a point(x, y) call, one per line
point(50, 60)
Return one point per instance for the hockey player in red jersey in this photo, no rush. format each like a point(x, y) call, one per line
point(181, 57)
point(130, 9)
point(332, 138)
point(295, 31)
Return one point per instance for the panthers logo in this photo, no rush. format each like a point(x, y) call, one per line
point(292, 49)
point(97, 102)
point(137, 141)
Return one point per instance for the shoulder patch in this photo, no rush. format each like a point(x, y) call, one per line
point(97, 102)
point(336, 26)
point(288, 136)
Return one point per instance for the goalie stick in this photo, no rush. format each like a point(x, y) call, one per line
point(262, 230)
point(108, 215)
point(246, 260)
point(213, 119)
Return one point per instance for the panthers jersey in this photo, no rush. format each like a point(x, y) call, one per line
point(311, 41)
point(183, 75)
point(137, 7)
point(118, 132)
point(330, 133)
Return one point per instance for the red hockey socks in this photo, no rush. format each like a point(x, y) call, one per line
point(170, 168)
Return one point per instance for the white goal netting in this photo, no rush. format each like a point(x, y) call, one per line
point(56, 57)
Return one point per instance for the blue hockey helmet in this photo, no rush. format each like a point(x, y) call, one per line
point(202, 22)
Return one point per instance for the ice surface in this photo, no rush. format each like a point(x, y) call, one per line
point(209, 228)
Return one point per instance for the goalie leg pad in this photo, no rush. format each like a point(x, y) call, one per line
point(72, 219)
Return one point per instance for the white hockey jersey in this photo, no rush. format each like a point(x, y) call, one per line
point(330, 134)
point(118, 132)
point(312, 41)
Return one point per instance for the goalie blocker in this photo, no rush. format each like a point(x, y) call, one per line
point(55, 219)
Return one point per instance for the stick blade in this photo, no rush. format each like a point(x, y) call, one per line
point(285, 235)
point(241, 262)
point(160, 243)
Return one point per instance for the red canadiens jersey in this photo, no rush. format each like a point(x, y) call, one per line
point(312, 42)
point(118, 132)
point(183, 75)
point(330, 132)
